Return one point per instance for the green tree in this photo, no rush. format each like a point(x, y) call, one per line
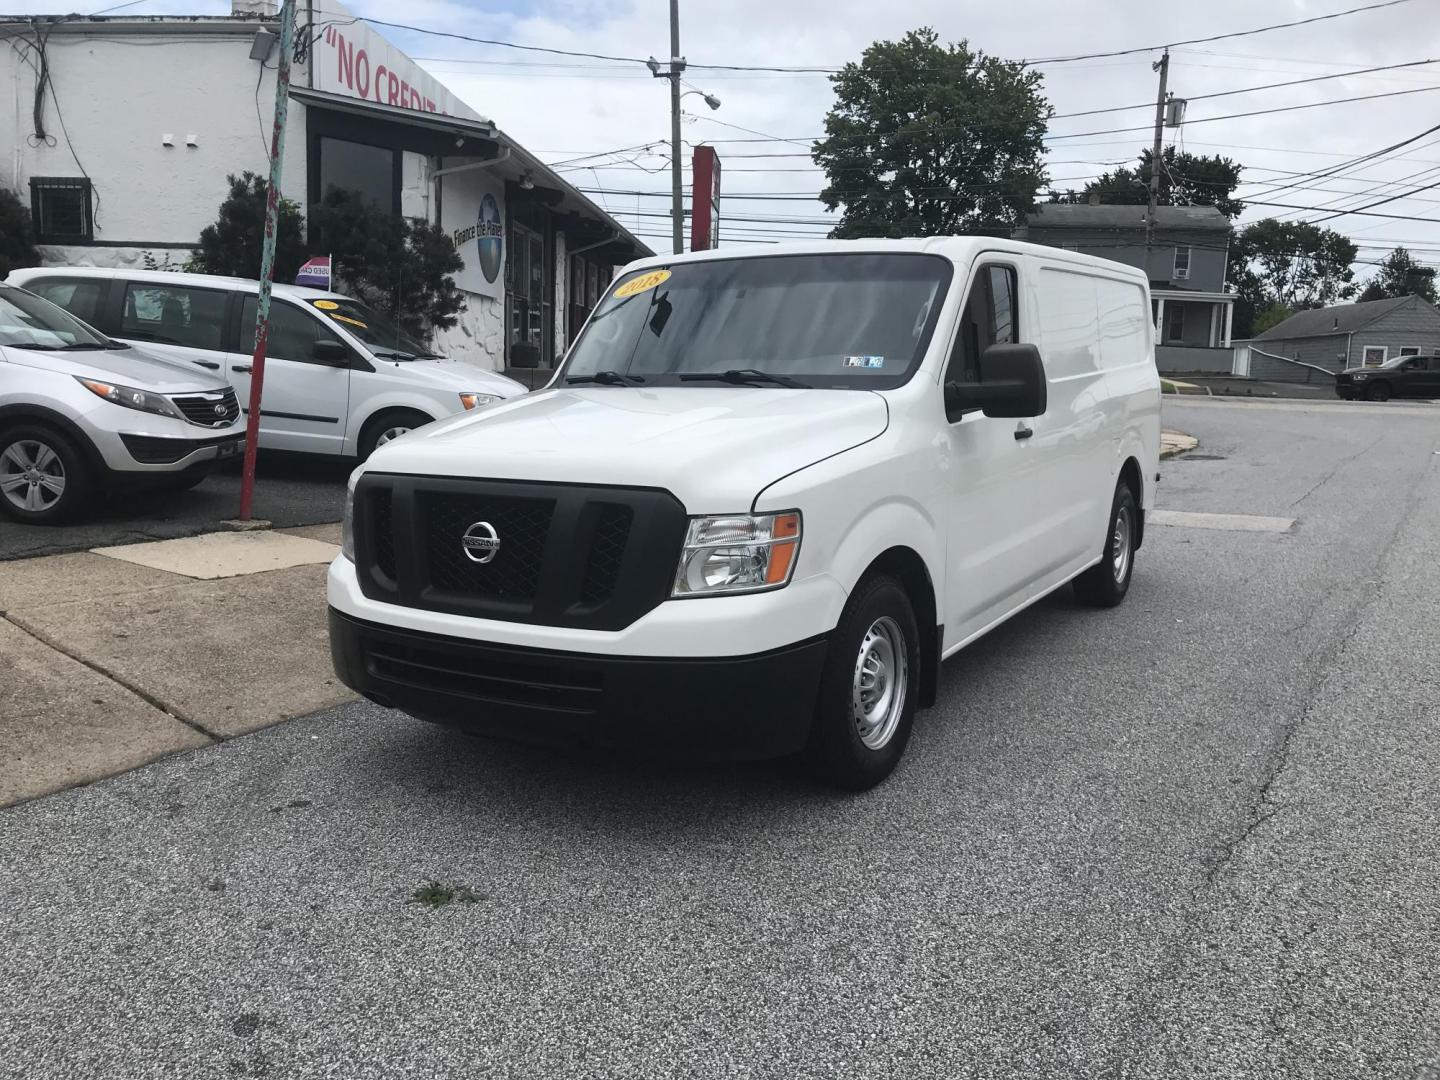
point(1185, 180)
point(1400, 275)
point(400, 266)
point(1273, 315)
point(17, 244)
point(232, 244)
point(1292, 264)
point(927, 139)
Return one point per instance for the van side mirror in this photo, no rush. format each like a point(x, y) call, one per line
point(330, 352)
point(1012, 384)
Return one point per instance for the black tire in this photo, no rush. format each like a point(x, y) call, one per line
point(383, 422)
point(1106, 583)
point(1379, 391)
point(30, 443)
point(838, 753)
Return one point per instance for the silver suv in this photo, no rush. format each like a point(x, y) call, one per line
point(82, 416)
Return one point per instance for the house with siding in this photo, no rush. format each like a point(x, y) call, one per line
point(1185, 265)
point(1310, 345)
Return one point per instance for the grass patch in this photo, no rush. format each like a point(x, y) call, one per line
point(434, 894)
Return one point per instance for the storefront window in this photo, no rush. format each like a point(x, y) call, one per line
point(589, 279)
point(527, 299)
point(370, 170)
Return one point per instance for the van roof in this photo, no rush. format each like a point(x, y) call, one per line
point(170, 277)
point(958, 249)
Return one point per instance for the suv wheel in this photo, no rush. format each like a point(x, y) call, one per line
point(43, 478)
point(380, 429)
point(1106, 583)
point(1379, 391)
point(868, 690)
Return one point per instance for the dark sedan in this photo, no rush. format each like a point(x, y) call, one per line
point(1403, 377)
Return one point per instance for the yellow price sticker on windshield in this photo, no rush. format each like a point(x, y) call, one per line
point(326, 305)
point(352, 322)
point(643, 283)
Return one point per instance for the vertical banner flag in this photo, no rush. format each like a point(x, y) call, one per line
point(315, 273)
point(705, 200)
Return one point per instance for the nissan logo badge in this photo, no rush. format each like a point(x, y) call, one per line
point(480, 543)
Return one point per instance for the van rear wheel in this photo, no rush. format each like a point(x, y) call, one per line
point(1106, 583)
point(868, 689)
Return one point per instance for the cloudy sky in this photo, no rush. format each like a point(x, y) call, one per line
point(567, 108)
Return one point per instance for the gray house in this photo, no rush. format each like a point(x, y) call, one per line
point(1348, 335)
point(1186, 267)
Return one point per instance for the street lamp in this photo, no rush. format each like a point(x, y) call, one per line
point(710, 99)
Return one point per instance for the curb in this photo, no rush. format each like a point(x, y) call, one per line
point(1175, 443)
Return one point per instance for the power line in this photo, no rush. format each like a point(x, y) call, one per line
point(1216, 37)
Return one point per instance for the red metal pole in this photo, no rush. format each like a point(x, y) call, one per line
point(267, 257)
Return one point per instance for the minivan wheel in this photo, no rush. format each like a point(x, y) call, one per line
point(385, 426)
point(1106, 583)
point(868, 689)
point(1378, 392)
point(43, 478)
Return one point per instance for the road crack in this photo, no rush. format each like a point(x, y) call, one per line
point(120, 680)
point(1338, 466)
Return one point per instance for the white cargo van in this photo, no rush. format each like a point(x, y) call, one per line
point(763, 498)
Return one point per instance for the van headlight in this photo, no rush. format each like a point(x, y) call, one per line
point(738, 554)
point(347, 522)
point(131, 398)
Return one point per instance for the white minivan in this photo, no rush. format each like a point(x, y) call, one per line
point(765, 496)
point(340, 377)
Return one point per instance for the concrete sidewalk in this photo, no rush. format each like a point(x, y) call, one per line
point(117, 656)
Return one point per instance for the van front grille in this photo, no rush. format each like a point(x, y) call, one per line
point(559, 555)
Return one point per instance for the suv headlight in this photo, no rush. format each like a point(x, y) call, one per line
point(738, 553)
point(347, 522)
point(474, 401)
point(131, 398)
point(1359, 376)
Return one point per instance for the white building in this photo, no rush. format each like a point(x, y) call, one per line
point(123, 152)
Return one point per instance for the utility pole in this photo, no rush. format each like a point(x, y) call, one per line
point(267, 257)
point(1162, 66)
point(674, 69)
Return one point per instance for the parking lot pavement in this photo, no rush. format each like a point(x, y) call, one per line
point(1190, 837)
point(290, 489)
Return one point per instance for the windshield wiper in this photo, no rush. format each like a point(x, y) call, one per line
point(606, 378)
point(743, 377)
point(398, 357)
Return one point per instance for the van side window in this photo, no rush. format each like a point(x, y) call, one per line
point(989, 318)
point(293, 333)
point(79, 298)
point(174, 315)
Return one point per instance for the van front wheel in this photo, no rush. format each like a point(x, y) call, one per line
point(1106, 583)
point(391, 424)
point(868, 690)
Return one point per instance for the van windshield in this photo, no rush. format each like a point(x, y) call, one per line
point(848, 321)
point(29, 322)
point(374, 328)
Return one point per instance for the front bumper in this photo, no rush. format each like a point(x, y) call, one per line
point(733, 707)
point(182, 453)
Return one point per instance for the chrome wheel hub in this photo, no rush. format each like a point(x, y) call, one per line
point(32, 476)
point(878, 689)
point(391, 433)
point(1120, 545)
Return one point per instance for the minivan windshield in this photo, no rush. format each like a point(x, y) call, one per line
point(374, 328)
point(842, 320)
point(29, 322)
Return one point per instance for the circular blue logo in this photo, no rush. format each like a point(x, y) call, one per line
point(490, 237)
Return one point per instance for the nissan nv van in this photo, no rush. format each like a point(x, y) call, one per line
point(340, 377)
point(765, 496)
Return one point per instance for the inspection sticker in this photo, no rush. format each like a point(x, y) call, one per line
point(865, 361)
point(326, 305)
point(643, 283)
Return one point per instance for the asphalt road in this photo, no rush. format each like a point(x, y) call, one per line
point(290, 490)
point(1195, 836)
